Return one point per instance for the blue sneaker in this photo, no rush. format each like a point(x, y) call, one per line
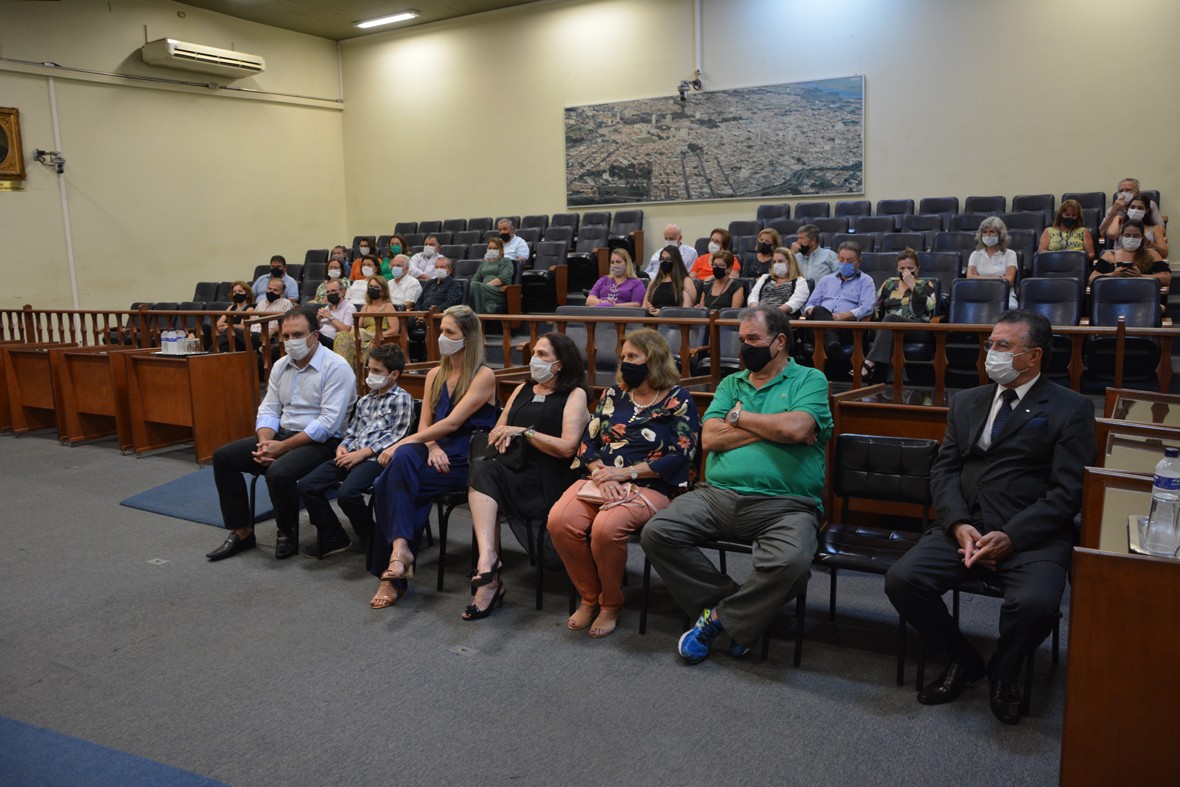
point(695, 644)
point(738, 651)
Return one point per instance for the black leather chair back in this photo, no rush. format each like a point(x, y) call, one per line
point(806, 211)
point(868, 223)
point(1026, 220)
point(768, 213)
point(883, 468)
point(990, 205)
point(977, 301)
point(859, 207)
point(1044, 204)
point(1095, 200)
point(1135, 300)
point(744, 227)
point(1061, 264)
point(454, 225)
point(967, 222)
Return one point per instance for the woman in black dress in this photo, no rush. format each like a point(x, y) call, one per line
point(671, 285)
point(722, 291)
point(548, 413)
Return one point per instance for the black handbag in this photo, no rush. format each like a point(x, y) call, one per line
point(482, 451)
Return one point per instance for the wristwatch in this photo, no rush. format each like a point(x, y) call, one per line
point(734, 415)
point(529, 433)
point(634, 473)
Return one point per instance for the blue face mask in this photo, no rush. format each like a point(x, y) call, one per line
point(847, 269)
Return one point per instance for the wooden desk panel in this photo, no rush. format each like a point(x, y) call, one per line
point(1122, 688)
point(29, 379)
point(208, 399)
point(5, 411)
point(93, 400)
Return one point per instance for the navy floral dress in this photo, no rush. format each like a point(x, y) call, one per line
point(664, 434)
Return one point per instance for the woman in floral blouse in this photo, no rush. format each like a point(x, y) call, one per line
point(636, 452)
point(902, 298)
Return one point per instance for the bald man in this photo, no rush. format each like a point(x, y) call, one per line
point(672, 237)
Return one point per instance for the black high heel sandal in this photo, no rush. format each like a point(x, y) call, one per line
point(475, 613)
point(478, 580)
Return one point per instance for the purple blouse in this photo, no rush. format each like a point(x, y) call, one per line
point(610, 292)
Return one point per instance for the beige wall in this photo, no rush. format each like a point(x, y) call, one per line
point(999, 97)
point(165, 187)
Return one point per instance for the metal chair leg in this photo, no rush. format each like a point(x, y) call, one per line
point(832, 595)
point(800, 619)
point(901, 650)
point(645, 596)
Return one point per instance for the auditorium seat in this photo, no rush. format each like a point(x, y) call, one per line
point(767, 213)
point(295, 271)
point(976, 302)
point(1065, 265)
point(606, 338)
point(1060, 302)
point(223, 289)
point(879, 266)
point(866, 241)
point(850, 208)
point(812, 210)
point(452, 251)
point(944, 207)
point(531, 235)
point(480, 224)
point(315, 271)
point(1026, 220)
point(571, 220)
point(943, 266)
point(454, 225)
point(312, 256)
point(993, 206)
point(307, 291)
point(205, 291)
point(1087, 199)
point(538, 221)
point(832, 224)
point(744, 227)
point(429, 227)
point(402, 227)
point(1024, 243)
point(954, 241)
point(596, 218)
point(898, 241)
point(467, 237)
point(560, 234)
point(967, 222)
point(1044, 203)
point(897, 208)
point(413, 239)
point(784, 226)
point(878, 225)
point(1137, 301)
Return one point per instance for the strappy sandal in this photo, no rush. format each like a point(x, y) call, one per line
point(407, 562)
point(478, 579)
point(386, 596)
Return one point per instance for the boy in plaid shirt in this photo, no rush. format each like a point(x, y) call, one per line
point(380, 419)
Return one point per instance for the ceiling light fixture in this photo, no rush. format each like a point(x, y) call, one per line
point(388, 20)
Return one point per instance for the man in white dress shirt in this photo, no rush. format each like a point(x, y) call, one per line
point(672, 237)
point(515, 247)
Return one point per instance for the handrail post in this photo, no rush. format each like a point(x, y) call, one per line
point(28, 325)
point(1120, 351)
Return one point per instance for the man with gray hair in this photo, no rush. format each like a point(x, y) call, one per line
point(515, 247)
point(815, 262)
point(765, 433)
point(672, 237)
point(403, 288)
point(844, 296)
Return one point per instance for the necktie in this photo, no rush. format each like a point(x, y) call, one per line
point(1004, 413)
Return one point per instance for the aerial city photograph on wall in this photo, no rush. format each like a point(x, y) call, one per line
point(795, 139)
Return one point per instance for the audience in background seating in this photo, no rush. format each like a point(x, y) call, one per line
point(368, 267)
point(397, 247)
point(240, 301)
point(784, 287)
point(336, 316)
point(670, 286)
point(422, 263)
point(486, 288)
point(340, 254)
point(702, 267)
point(363, 249)
point(757, 263)
point(404, 289)
point(722, 291)
point(846, 295)
point(1068, 232)
point(901, 298)
point(620, 287)
point(814, 261)
point(1139, 209)
point(542, 423)
point(298, 427)
point(367, 322)
point(381, 418)
point(1128, 189)
point(1132, 258)
point(992, 259)
point(635, 455)
point(334, 272)
point(273, 302)
point(443, 290)
point(672, 237)
point(515, 247)
point(278, 270)
point(765, 434)
point(460, 398)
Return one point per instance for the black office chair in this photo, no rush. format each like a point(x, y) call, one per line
point(977, 302)
point(1060, 302)
point(888, 469)
point(1137, 301)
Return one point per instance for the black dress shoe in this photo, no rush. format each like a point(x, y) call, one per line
point(328, 544)
point(232, 545)
point(1006, 702)
point(950, 684)
point(285, 546)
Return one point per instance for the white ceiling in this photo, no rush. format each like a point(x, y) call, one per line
point(336, 19)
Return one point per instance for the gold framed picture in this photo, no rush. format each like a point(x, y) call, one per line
point(12, 157)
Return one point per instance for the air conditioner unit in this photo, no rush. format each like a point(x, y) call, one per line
point(205, 59)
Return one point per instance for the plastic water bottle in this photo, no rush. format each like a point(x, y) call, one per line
point(166, 342)
point(1165, 506)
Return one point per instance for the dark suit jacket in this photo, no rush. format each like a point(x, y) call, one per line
point(1029, 483)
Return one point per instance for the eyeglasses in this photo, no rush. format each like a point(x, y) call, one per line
point(1002, 346)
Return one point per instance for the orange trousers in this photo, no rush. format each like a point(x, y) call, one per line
point(592, 543)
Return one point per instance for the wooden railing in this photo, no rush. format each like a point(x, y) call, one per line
point(142, 327)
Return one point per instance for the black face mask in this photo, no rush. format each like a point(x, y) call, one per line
point(374, 293)
point(239, 297)
point(719, 271)
point(276, 272)
point(804, 248)
point(504, 236)
point(272, 296)
point(333, 298)
point(765, 248)
point(665, 266)
point(633, 374)
point(1069, 223)
point(755, 357)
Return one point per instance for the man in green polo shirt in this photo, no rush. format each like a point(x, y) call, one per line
point(765, 433)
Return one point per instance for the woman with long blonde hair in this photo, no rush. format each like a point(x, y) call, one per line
point(460, 397)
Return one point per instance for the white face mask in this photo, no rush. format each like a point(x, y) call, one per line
point(714, 247)
point(1136, 214)
point(449, 347)
point(334, 274)
point(367, 271)
point(671, 242)
point(999, 366)
point(1126, 196)
point(1131, 244)
point(297, 348)
point(375, 381)
point(492, 255)
point(991, 240)
point(438, 273)
point(397, 271)
point(363, 250)
point(779, 269)
point(429, 251)
point(542, 371)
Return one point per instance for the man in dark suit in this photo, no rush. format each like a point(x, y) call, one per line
point(1007, 484)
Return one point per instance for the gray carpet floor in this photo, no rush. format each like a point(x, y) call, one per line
point(253, 671)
